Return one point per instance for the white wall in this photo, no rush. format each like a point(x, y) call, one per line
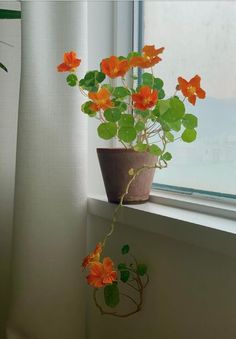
point(9, 94)
point(191, 292)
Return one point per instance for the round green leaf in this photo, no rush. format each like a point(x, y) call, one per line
point(127, 120)
point(72, 80)
point(155, 150)
point(132, 54)
point(111, 295)
point(112, 114)
point(175, 125)
point(175, 112)
point(125, 249)
point(127, 134)
point(161, 94)
point(122, 266)
point(190, 121)
point(144, 114)
point(120, 92)
point(189, 135)
point(170, 136)
point(109, 87)
point(121, 105)
point(148, 79)
point(86, 109)
point(142, 269)
point(166, 156)
point(163, 106)
point(139, 147)
point(107, 130)
point(124, 276)
point(139, 126)
point(158, 84)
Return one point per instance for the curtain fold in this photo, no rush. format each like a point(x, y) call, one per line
point(50, 191)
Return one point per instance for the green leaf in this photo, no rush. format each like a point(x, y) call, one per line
point(124, 276)
point(158, 84)
point(127, 120)
point(125, 249)
point(144, 114)
point(111, 295)
point(148, 79)
point(155, 150)
point(142, 269)
point(121, 92)
point(121, 105)
point(163, 106)
point(91, 80)
point(3, 67)
point(175, 112)
point(112, 114)
point(127, 133)
point(72, 80)
point(175, 125)
point(156, 112)
point(107, 130)
point(86, 109)
point(132, 54)
point(135, 77)
point(161, 94)
point(109, 87)
point(122, 266)
point(189, 135)
point(170, 136)
point(190, 121)
point(139, 126)
point(166, 156)
point(178, 106)
point(140, 147)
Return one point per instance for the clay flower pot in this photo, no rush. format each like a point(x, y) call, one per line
point(115, 164)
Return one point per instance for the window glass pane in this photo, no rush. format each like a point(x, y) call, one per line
point(199, 38)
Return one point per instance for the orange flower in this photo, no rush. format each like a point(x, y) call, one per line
point(102, 274)
point(191, 89)
point(70, 63)
point(149, 57)
point(93, 257)
point(101, 99)
point(145, 98)
point(114, 67)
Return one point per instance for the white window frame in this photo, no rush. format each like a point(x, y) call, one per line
point(172, 192)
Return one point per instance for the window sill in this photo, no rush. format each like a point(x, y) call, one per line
point(209, 224)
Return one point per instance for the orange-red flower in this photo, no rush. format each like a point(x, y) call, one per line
point(114, 67)
point(149, 57)
point(101, 99)
point(102, 274)
point(191, 89)
point(70, 62)
point(93, 257)
point(145, 98)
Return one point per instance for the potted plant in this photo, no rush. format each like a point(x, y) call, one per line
point(138, 114)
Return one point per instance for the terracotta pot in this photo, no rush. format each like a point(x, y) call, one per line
point(115, 164)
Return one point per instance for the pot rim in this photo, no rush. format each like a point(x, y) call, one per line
point(116, 149)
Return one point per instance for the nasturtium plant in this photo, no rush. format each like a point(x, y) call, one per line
point(138, 112)
point(140, 116)
point(103, 276)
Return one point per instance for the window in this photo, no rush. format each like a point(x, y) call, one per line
point(199, 38)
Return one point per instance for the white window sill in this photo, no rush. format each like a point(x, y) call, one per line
point(205, 223)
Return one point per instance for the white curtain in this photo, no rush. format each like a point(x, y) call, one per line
point(47, 297)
